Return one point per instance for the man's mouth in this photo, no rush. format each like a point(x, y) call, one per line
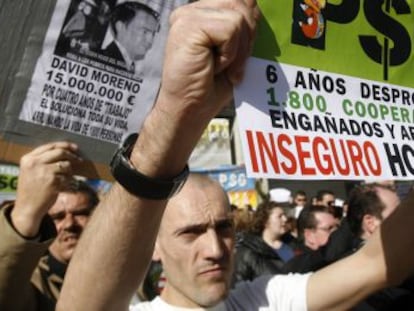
point(217, 271)
point(70, 238)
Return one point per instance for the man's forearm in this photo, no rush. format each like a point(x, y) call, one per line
point(122, 220)
point(206, 49)
point(397, 240)
point(19, 258)
point(385, 260)
point(113, 254)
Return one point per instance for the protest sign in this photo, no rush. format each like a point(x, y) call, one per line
point(329, 91)
point(84, 70)
point(240, 189)
point(8, 181)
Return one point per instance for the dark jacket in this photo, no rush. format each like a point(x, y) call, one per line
point(343, 243)
point(113, 51)
point(30, 279)
point(254, 258)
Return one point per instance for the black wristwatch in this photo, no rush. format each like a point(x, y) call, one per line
point(138, 184)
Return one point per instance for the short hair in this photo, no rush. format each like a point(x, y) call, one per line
point(242, 219)
point(262, 214)
point(321, 193)
point(363, 200)
point(307, 219)
point(79, 186)
point(300, 193)
point(126, 11)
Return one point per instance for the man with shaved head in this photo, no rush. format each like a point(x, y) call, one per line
point(207, 47)
point(195, 243)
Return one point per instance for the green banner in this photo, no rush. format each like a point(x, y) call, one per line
point(8, 181)
point(366, 39)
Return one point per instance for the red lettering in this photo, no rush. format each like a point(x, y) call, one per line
point(356, 156)
point(252, 151)
point(328, 170)
point(343, 170)
point(302, 155)
point(285, 154)
point(372, 154)
point(281, 141)
point(270, 152)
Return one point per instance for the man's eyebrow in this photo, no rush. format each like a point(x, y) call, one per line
point(58, 214)
point(191, 228)
point(203, 226)
point(86, 209)
point(224, 222)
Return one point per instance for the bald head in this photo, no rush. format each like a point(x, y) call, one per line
point(200, 192)
point(195, 244)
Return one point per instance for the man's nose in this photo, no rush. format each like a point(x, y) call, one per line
point(213, 247)
point(149, 38)
point(69, 220)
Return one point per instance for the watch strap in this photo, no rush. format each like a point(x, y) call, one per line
point(137, 183)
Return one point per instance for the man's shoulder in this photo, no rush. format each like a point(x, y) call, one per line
point(113, 51)
point(147, 305)
point(279, 292)
point(159, 305)
point(142, 306)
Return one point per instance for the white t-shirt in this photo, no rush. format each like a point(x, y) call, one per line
point(266, 293)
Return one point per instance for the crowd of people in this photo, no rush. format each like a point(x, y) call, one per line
point(57, 204)
point(62, 248)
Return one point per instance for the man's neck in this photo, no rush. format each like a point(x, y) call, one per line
point(164, 305)
point(128, 60)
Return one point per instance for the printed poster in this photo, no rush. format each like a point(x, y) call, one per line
point(97, 76)
point(329, 91)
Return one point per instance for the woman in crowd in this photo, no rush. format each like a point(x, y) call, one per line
point(262, 250)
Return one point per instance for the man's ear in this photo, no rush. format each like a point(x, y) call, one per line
point(119, 27)
point(308, 235)
point(369, 224)
point(156, 254)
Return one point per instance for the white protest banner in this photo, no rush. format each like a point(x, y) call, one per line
point(329, 91)
point(96, 77)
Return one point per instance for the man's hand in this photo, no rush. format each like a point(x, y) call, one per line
point(205, 60)
point(208, 44)
point(44, 172)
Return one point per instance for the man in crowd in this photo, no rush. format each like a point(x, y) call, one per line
point(133, 25)
point(86, 29)
point(369, 205)
point(325, 198)
point(299, 201)
point(48, 201)
point(208, 44)
point(315, 225)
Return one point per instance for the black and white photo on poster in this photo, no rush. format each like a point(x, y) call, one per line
point(100, 67)
point(110, 33)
